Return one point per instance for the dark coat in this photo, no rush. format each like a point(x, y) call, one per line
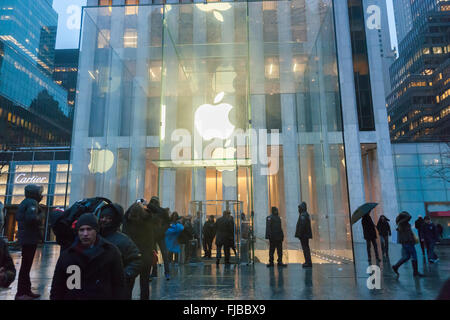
point(274, 232)
point(29, 217)
point(209, 230)
point(405, 234)
point(383, 227)
point(187, 234)
point(102, 275)
point(139, 226)
point(131, 256)
point(7, 263)
point(161, 221)
point(429, 233)
point(225, 231)
point(418, 225)
point(303, 228)
point(368, 228)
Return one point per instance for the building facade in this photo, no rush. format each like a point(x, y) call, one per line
point(155, 89)
point(419, 105)
point(33, 109)
point(65, 74)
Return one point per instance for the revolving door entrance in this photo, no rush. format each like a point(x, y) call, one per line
point(241, 251)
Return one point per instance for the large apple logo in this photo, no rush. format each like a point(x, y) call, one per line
point(101, 160)
point(212, 121)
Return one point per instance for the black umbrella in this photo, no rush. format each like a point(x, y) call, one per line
point(362, 211)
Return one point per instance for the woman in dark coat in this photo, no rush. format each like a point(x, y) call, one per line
point(407, 239)
point(370, 235)
point(384, 229)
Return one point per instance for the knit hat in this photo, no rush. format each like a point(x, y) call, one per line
point(87, 219)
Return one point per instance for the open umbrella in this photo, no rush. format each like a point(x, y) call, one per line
point(362, 211)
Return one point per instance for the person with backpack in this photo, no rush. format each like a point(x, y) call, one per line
point(384, 229)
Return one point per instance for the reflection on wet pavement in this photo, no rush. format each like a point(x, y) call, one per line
point(324, 281)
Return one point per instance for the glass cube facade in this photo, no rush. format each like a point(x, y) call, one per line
point(216, 106)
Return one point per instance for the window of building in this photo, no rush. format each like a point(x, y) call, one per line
point(105, 2)
point(130, 38)
point(131, 7)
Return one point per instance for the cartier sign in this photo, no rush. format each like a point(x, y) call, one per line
point(23, 178)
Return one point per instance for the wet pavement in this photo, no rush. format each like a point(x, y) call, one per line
point(324, 281)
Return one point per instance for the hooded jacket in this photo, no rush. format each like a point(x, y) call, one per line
point(171, 237)
point(383, 227)
point(7, 263)
point(131, 256)
point(29, 216)
point(101, 271)
point(405, 234)
point(303, 228)
point(139, 226)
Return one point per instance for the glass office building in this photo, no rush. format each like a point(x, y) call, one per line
point(228, 105)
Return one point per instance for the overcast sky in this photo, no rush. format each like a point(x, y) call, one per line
point(69, 19)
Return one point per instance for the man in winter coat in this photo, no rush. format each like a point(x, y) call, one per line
point(138, 225)
point(304, 233)
point(430, 236)
point(384, 229)
point(224, 236)
point(7, 268)
point(418, 225)
point(111, 217)
point(370, 235)
point(276, 236)
point(209, 232)
point(90, 269)
point(29, 217)
point(161, 224)
point(407, 239)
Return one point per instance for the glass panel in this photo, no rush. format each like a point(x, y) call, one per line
point(177, 101)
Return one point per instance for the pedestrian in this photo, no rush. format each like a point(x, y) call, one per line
point(29, 217)
point(174, 218)
point(224, 236)
point(185, 237)
point(274, 233)
point(138, 225)
point(171, 238)
point(430, 236)
point(162, 220)
point(111, 217)
point(304, 233)
point(370, 235)
point(209, 233)
point(384, 229)
point(407, 239)
point(418, 225)
point(7, 268)
point(96, 263)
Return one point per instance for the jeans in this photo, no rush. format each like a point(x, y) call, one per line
point(306, 250)
point(276, 245)
point(430, 250)
point(408, 252)
point(144, 276)
point(24, 282)
point(385, 245)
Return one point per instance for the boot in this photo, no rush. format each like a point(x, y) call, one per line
point(416, 269)
point(395, 268)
